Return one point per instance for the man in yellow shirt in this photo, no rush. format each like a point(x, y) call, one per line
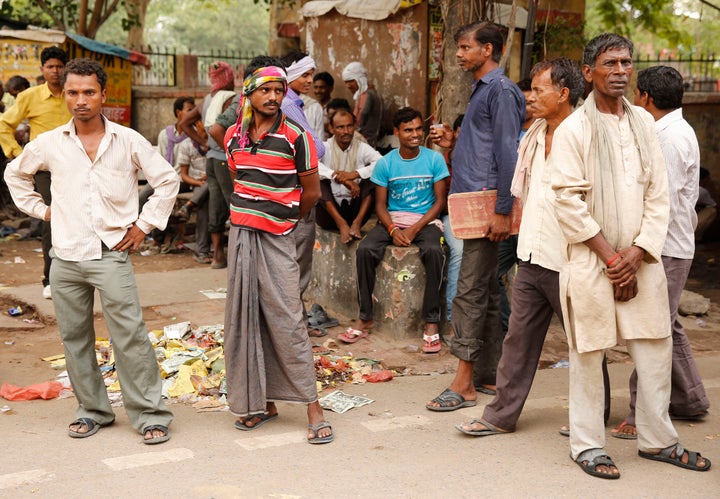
point(44, 108)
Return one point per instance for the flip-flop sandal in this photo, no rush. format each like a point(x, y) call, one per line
point(317, 332)
point(156, 440)
point(264, 418)
point(432, 343)
point(592, 459)
point(489, 429)
point(92, 426)
point(450, 400)
point(564, 430)
point(352, 335)
point(689, 417)
point(617, 433)
point(666, 456)
point(485, 390)
point(315, 428)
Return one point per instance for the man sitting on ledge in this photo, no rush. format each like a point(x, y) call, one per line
point(345, 172)
point(409, 197)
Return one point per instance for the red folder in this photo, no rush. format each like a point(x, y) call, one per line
point(470, 214)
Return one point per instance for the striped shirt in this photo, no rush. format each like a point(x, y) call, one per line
point(93, 202)
point(682, 159)
point(267, 189)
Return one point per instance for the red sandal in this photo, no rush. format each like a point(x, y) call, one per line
point(432, 343)
point(352, 335)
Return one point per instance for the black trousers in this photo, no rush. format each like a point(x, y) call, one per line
point(370, 252)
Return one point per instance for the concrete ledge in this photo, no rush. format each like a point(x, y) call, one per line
point(399, 285)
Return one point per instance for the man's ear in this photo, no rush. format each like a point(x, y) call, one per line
point(104, 95)
point(396, 130)
point(564, 94)
point(587, 72)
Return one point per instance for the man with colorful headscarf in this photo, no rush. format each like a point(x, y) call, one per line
point(368, 105)
point(267, 349)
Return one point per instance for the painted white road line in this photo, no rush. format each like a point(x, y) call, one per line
point(272, 440)
point(386, 424)
point(25, 478)
point(148, 459)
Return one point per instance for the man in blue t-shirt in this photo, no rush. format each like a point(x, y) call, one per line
point(409, 197)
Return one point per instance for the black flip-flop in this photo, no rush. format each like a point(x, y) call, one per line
point(92, 425)
point(666, 456)
point(489, 429)
point(319, 332)
point(156, 440)
point(450, 400)
point(315, 428)
point(264, 418)
point(590, 459)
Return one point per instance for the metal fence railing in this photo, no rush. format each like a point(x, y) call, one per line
point(163, 65)
point(162, 68)
point(700, 74)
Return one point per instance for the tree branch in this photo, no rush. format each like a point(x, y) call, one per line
point(46, 8)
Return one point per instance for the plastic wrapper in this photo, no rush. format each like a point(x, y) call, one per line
point(45, 391)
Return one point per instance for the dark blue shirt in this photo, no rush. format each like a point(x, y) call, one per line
point(486, 150)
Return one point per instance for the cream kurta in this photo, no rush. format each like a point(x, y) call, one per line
point(593, 319)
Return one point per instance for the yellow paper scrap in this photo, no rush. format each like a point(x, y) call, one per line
point(213, 355)
point(183, 384)
point(54, 357)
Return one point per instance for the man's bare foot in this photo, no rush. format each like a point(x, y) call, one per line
point(597, 463)
point(625, 431)
point(366, 325)
point(251, 422)
point(462, 384)
point(431, 338)
point(679, 456)
point(317, 430)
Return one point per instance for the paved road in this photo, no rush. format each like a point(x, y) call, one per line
point(391, 448)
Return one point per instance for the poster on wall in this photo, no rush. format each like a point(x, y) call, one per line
point(436, 44)
point(21, 57)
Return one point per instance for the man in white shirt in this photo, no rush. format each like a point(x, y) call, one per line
point(94, 165)
point(345, 172)
point(556, 87)
point(660, 91)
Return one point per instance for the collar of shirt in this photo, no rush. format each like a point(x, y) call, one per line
point(669, 119)
point(487, 78)
point(46, 93)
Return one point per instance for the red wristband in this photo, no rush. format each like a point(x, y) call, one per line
point(390, 228)
point(612, 260)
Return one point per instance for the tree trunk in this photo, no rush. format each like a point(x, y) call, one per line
point(454, 90)
point(136, 11)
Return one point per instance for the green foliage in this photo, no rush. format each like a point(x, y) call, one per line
point(199, 26)
point(633, 18)
point(27, 11)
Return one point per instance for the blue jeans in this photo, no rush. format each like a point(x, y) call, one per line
point(456, 249)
